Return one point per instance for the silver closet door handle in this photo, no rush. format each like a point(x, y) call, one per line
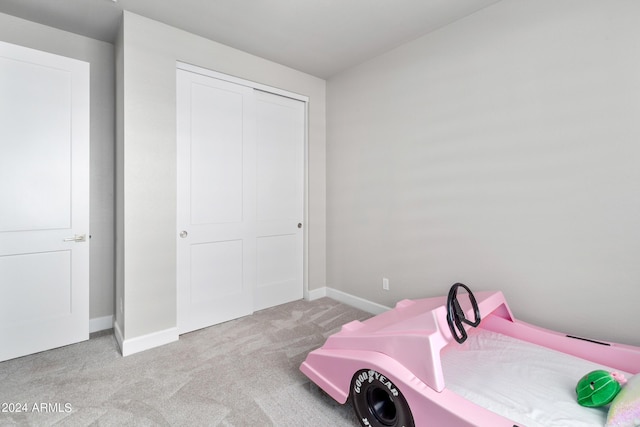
point(183, 234)
point(76, 238)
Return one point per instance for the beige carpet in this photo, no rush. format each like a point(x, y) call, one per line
point(240, 373)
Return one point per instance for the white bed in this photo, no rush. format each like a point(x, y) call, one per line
point(524, 382)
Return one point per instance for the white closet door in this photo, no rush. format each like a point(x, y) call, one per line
point(280, 135)
point(240, 200)
point(216, 242)
point(44, 193)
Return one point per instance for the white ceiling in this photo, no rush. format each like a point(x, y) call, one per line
point(319, 37)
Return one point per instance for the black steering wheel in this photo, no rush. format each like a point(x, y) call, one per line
point(456, 316)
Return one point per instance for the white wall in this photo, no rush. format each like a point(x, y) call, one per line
point(147, 112)
point(100, 57)
point(501, 151)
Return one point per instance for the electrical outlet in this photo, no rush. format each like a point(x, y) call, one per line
point(385, 284)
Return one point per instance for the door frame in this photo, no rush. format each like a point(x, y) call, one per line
point(288, 94)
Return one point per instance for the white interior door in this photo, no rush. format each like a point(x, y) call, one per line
point(44, 194)
point(280, 136)
point(216, 201)
point(240, 173)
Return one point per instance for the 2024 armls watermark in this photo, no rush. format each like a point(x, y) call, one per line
point(35, 407)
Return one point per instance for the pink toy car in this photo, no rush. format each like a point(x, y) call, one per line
point(434, 363)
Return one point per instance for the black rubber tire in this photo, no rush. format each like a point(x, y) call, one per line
point(378, 402)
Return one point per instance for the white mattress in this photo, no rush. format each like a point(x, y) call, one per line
point(527, 383)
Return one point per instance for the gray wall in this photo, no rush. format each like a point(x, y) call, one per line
point(501, 151)
point(119, 171)
point(147, 162)
point(100, 55)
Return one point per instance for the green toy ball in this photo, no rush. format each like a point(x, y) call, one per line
point(597, 388)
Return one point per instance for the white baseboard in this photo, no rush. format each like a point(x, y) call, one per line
point(100, 324)
point(146, 342)
point(315, 294)
point(345, 298)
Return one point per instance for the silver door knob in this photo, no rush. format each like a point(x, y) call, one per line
point(183, 234)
